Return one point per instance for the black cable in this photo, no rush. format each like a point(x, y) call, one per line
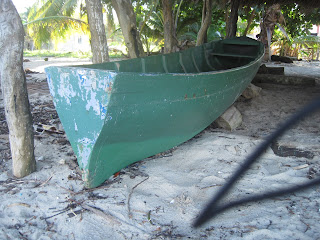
point(212, 209)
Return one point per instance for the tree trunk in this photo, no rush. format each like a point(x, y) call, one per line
point(250, 19)
point(99, 45)
point(169, 31)
point(14, 90)
point(233, 19)
point(111, 27)
point(272, 16)
point(127, 20)
point(206, 21)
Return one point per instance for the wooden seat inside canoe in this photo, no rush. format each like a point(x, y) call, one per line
point(237, 49)
point(230, 54)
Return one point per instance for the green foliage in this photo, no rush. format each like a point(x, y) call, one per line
point(149, 24)
point(218, 21)
point(297, 22)
point(245, 14)
point(52, 20)
point(187, 17)
point(191, 23)
point(189, 13)
point(298, 26)
point(308, 46)
point(78, 54)
point(300, 47)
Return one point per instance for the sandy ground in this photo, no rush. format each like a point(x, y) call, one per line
point(159, 197)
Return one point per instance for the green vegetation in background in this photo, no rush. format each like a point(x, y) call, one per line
point(56, 19)
point(53, 21)
point(298, 25)
point(46, 53)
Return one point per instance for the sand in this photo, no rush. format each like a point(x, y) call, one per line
point(159, 197)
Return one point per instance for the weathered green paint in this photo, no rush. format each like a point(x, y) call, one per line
point(118, 113)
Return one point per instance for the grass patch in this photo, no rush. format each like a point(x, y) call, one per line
point(78, 54)
point(45, 53)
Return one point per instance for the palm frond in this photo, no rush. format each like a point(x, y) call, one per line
point(69, 7)
point(58, 19)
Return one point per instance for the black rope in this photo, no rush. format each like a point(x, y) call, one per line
point(211, 210)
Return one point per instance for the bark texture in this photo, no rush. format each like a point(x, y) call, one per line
point(233, 19)
point(14, 90)
point(206, 21)
point(99, 45)
point(169, 31)
point(271, 17)
point(252, 15)
point(127, 20)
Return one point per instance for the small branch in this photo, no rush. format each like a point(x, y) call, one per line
point(107, 216)
point(63, 211)
point(129, 197)
point(106, 185)
point(45, 182)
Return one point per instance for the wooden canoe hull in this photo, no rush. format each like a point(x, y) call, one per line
point(113, 119)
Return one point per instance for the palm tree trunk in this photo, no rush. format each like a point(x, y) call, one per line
point(14, 90)
point(206, 21)
point(127, 20)
point(169, 31)
point(99, 45)
point(271, 18)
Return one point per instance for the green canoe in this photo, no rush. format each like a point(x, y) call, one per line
point(117, 113)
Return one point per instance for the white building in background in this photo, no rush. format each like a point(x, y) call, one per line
point(76, 42)
point(315, 30)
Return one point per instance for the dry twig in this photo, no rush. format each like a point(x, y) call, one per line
point(107, 216)
point(129, 197)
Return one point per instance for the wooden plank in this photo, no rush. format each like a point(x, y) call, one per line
point(284, 80)
point(271, 70)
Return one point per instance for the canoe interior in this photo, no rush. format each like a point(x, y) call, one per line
point(213, 56)
point(117, 113)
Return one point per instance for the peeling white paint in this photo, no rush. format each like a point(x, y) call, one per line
point(65, 89)
point(75, 126)
point(85, 93)
point(94, 85)
point(85, 146)
point(93, 102)
point(50, 84)
point(89, 83)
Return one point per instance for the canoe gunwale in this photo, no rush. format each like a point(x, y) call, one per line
point(211, 53)
point(166, 74)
